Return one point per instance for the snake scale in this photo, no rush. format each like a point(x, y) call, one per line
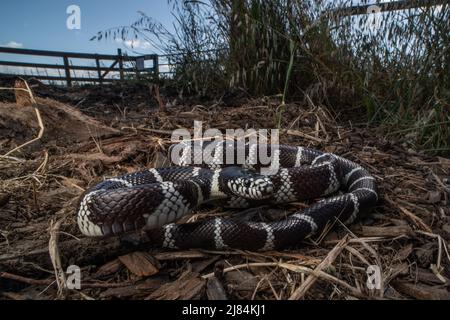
point(155, 198)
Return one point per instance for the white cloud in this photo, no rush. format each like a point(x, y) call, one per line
point(13, 44)
point(135, 43)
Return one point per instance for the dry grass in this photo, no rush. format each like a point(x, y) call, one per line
point(392, 73)
point(406, 235)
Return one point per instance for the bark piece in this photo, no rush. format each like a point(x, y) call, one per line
point(109, 268)
point(392, 231)
point(215, 289)
point(420, 291)
point(188, 286)
point(140, 263)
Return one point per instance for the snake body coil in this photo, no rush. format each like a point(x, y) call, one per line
point(155, 198)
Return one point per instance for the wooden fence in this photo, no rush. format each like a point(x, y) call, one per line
point(138, 62)
point(384, 7)
point(117, 65)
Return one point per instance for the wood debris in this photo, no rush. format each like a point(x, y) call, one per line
point(92, 133)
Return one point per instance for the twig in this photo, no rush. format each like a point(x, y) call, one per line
point(442, 244)
point(416, 220)
point(55, 256)
point(42, 166)
point(39, 119)
point(294, 268)
point(48, 282)
point(439, 181)
point(154, 90)
point(411, 216)
point(13, 89)
point(300, 292)
point(168, 132)
point(303, 135)
point(38, 282)
point(13, 158)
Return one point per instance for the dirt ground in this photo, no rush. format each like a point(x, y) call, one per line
point(96, 132)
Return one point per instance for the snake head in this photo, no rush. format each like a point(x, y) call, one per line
point(247, 184)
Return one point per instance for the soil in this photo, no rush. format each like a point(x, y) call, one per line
point(102, 131)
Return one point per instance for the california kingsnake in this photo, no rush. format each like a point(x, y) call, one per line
point(154, 198)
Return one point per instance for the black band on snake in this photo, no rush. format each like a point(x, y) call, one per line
point(153, 199)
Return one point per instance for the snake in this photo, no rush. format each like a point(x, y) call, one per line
point(154, 199)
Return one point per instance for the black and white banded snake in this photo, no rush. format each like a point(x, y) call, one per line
point(154, 198)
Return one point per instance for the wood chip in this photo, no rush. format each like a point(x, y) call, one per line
point(215, 289)
point(143, 288)
point(388, 232)
point(446, 228)
point(420, 291)
point(109, 268)
point(434, 196)
point(188, 286)
point(241, 280)
point(404, 252)
point(121, 292)
point(4, 198)
point(410, 216)
point(179, 255)
point(140, 263)
point(23, 97)
point(199, 266)
point(428, 277)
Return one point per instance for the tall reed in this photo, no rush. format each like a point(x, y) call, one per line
point(390, 69)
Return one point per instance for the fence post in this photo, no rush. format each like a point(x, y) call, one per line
point(156, 66)
point(67, 69)
point(99, 72)
point(136, 68)
point(120, 59)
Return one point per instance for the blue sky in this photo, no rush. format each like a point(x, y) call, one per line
point(42, 24)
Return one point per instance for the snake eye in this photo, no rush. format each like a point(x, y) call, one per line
point(247, 184)
point(252, 188)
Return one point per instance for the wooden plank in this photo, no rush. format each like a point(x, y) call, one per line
point(67, 70)
point(137, 73)
point(55, 78)
point(99, 71)
point(111, 68)
point(133, 69)
point(54, 66)
point(57, 53)
point(385, 6)
point(120, 59)
point(31, 65)
point(155, 65)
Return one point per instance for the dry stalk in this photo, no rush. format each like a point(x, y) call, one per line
point(55, 256)
point(298, 269)
point(38, 116)
point(300, 292)
point(411, 216)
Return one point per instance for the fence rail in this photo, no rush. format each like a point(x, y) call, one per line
point(100, 71)
point(384, 7)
